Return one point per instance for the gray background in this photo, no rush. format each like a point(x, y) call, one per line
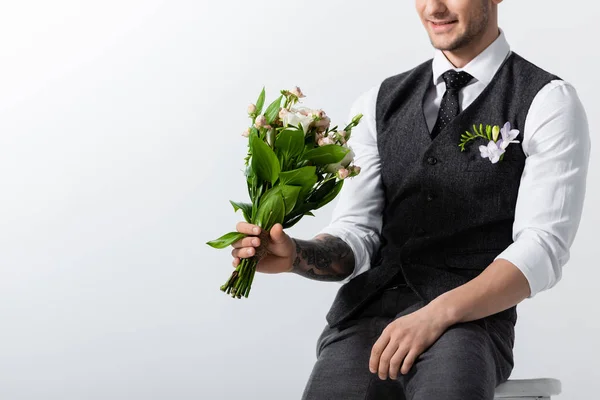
point(120, 146)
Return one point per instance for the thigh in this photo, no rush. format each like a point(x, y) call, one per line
point(460, 365)
point(342, 367)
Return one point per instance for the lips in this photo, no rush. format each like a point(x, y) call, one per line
point(443, 23)
point(442, 26)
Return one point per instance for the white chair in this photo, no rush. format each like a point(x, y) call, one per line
point(528, 389)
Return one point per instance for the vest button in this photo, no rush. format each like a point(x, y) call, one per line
point(431, 160)
point(420, 231)
point(430, 197)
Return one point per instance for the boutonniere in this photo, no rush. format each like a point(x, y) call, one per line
point(496, 146)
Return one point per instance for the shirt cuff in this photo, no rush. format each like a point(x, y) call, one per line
point(532, 257)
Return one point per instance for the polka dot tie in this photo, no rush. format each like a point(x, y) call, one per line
point(449, 108)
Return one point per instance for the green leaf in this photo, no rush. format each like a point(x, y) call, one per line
point(305, 177)
point(245, 207)
point(481, 129)
point(226, 240)
point(260, 103)
point(273, 110)
point(290, 196)
point(290, 142)
point(270, 211)
point(321, 192)
point(488, 130)
point(328, 154)
point(264, 161)
point(332, 194)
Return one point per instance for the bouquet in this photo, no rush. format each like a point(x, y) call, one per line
point(296, 163)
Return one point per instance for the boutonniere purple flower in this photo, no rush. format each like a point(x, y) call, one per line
point(499, 139)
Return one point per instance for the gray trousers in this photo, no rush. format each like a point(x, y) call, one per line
point(466, 363)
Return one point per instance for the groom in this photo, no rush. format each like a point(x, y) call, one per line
point(436, 246)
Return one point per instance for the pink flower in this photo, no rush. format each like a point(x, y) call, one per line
point(261, 121)
point(319, 113)
point(297, 92)
point(246, 133)
point(323, 141)
point(251, 109)
point(343, 173)
point(323, 124)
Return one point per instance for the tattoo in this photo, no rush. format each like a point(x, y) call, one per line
point(326, 258)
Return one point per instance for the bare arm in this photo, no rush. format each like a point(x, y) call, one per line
point(326, 258)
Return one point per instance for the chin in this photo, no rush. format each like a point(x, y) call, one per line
point(442, 44)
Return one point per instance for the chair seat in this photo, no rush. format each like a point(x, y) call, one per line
point(526, 388)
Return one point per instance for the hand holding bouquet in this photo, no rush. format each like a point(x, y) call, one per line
point(296, 163)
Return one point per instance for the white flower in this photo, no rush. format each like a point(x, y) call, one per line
point(332, 168)
point(491, 151)
point(508, 136)
point(295, 118)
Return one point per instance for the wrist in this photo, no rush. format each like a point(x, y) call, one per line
point(293, 256)
point(443, 311)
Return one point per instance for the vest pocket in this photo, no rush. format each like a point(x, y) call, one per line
point(476, 163)
point(476, 259)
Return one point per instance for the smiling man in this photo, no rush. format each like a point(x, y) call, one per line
point(435, 245)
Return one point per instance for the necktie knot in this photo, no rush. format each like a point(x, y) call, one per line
point(456, 80)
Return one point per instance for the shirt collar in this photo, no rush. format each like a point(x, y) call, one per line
point(482, 68)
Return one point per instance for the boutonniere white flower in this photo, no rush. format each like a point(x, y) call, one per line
point(499, 139)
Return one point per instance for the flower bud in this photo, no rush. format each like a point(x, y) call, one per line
point(495, 132)
point(251, 109)
point(343, 173)
point(260, 122)
point(246, 133)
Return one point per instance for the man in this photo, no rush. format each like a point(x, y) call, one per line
point(436, 246)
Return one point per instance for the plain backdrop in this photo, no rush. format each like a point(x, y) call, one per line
point(120, 147)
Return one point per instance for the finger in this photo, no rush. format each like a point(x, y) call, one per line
point(386, 357)
point(377, 351)
point(244, 252)
point(409, 361)
point(247, 242)
point(277, 234)
point(248, 229)
point(236, 261)
point(396, 361)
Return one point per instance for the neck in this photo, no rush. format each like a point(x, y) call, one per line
point(461, 57)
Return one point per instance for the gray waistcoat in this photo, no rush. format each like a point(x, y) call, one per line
point(448, 213)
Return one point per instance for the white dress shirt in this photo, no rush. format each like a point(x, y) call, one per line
point(556, 143)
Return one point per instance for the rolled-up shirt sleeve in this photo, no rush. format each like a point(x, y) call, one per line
point(553, 185)
point(357, 216)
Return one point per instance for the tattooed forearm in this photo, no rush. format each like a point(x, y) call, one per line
point(327, 258)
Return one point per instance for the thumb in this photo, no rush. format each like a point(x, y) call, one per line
point(278, 236)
